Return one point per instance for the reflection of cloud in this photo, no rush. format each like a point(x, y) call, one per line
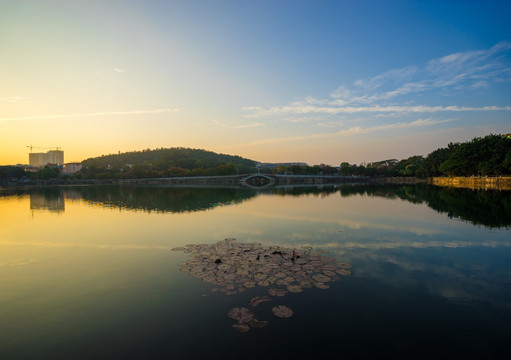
point(421, 245)
point(352, 224)
point(457, 280)
point(46, 244)
point(16, 262)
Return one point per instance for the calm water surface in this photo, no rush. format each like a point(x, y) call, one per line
point(88, 273)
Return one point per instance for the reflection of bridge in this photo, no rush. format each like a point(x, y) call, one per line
point(258, 181)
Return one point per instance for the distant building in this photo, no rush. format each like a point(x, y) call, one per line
point(36, 159)
point(54, 157)
point(71, 168)
point(274, 165)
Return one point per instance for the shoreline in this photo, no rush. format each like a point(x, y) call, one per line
point(472, 182)
point(271, 180)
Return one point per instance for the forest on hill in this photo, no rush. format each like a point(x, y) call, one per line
point(486, 156)
point(165, 162)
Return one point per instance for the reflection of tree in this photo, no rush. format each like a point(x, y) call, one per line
point(164, 199)
point(491, 208)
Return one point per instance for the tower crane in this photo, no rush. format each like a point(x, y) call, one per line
point(43, 147)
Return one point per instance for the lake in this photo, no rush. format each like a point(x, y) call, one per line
point(322, 272)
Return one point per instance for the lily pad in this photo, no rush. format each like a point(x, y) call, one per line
point(329, 273)
point(259, 300)
point(294, 288)
point(277, 292)
point(343, 265)
point(241, 327)
point(321, 278)
point(233, 267)
point(343, 272)
point(257, 323)
point(282, 311)
point(321, 285)
point(249, 284)
point(242, 314)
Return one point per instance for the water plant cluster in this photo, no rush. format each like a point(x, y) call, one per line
point(233, 267)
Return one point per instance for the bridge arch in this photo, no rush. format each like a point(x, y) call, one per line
point(258, 181)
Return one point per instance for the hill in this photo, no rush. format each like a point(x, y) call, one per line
point(166, 162)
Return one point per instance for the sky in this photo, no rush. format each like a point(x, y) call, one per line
point(273, 81)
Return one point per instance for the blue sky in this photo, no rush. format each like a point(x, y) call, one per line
point(313, 81)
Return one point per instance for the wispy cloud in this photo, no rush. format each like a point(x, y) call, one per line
point(390, 91)
point(13, 99)
point(94, 114)
point(298, 108)
point(356, 130)
point(118, 70)
point(236, 126)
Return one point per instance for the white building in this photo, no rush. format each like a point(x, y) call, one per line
point(54, 157)
point(71, 168)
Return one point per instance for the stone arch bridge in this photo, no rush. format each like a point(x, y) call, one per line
point(257, 181)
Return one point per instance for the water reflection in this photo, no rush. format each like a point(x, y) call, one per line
point(104, 281)
point(489, 208)
point(53, 203)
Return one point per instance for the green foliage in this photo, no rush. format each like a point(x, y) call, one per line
point(163, 162)
point(12, 172)
point(301, 170)
point(47, 173)
point(490, 155)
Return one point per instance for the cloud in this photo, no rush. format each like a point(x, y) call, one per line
point(118, 70)
point(389, 92)
point(236, 126)
point(14, 99)
point(356, 130)
point(94, 114)
point(391, 75)
point(333, 110)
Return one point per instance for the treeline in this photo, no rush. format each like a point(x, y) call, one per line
point(8, 173)
point(12, 172)
point(487, 156)
point(300, 170)
point(164, 163)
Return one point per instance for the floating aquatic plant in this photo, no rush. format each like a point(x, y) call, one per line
point(257, 323)
point(321, 285)
point(277, 292)
point(294, 288)
point(241, 327)
point(242, 314)
point(259, 300)
point(282, 311)
point(233, 267)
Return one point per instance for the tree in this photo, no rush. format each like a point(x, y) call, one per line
point(345, 169)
